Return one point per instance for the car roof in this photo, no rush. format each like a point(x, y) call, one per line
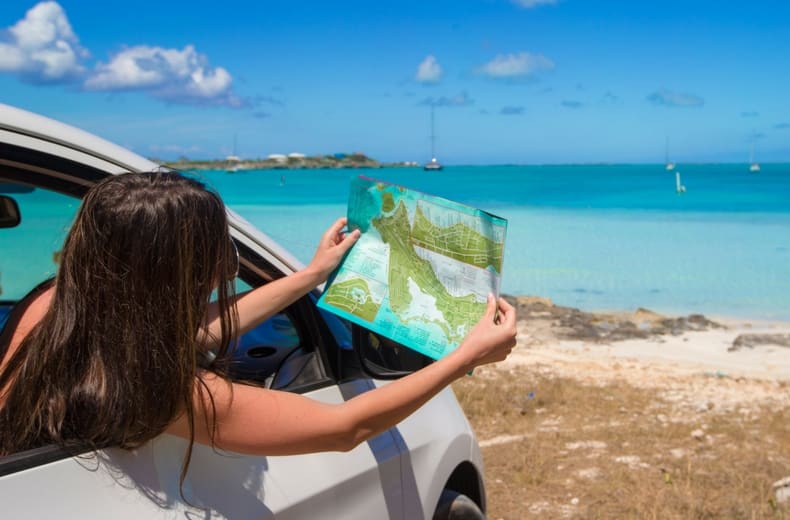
point(48, 130)
point(28, 130)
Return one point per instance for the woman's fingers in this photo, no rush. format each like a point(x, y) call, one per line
point(333, 234)
point(491, 308)
point(333, 245)
point(507, 313)
point(490, 341)
point(345, 243)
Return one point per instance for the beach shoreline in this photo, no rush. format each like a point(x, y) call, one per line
point(722, 363)
point(749, 347)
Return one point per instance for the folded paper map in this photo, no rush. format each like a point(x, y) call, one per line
point(422, 269)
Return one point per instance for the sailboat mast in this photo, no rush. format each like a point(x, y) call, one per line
point(433, 135)
point(433, 164)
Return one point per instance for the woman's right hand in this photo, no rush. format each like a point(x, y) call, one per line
point(492, 338)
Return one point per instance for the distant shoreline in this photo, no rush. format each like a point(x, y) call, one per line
point(361, 161)
point(290, 162)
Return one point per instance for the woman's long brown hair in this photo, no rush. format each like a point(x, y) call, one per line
point(115, 359)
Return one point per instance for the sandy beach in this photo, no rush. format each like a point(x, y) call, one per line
point(745, 361)
point(612, 414)
point(694, 352)
point(690, 352)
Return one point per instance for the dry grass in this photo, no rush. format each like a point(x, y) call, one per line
point(617, 451)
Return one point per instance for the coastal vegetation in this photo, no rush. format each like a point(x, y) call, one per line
point(284, 162)
point(612, 449)
point(569, 430)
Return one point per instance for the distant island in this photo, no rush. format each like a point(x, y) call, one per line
point(285, 162)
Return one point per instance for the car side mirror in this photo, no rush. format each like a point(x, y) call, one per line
point(9, 212)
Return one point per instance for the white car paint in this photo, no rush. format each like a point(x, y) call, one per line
point(399, 474)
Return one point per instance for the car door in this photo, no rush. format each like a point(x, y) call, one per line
point(436, 446)
point(363, 483)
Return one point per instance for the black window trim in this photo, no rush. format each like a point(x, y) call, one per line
point(36, 168)
point(36, 457)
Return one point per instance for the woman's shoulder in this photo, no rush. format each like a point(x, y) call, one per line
point(23, 324)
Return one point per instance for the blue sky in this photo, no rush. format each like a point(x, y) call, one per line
point(511, 81)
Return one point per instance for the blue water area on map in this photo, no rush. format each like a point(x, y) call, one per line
point(363, 203)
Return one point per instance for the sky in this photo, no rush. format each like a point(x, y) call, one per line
point(509, 81)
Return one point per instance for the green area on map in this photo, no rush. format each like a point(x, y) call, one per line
point(421, 270)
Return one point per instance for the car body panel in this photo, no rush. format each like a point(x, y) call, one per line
point(429, 458)
point(398, 474)
point(144, 483)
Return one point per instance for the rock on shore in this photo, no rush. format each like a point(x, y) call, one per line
point(756, 340)
point(567, 323)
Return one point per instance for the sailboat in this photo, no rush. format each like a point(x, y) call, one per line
point(433, 165)
point(679, 188)
point(233, 160)
point(669, 165)
point(754, 167)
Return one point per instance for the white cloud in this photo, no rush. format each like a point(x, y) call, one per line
point(571, 103)
point(429, 71)
point(42, 46)
point(675, 99)
point(529, 4)
point(511, 110)
point(178, 76)
point(515, 65)
point(461, 99)
point(173, 148)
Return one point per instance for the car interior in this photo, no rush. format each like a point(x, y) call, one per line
point(279, 353)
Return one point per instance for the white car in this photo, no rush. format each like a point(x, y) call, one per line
point(428, 463)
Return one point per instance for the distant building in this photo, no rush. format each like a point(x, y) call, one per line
point(232, 158)
point(296, 155)
point(277, 157)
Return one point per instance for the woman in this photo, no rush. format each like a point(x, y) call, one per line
point(115, 354)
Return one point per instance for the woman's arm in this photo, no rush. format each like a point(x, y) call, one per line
point(258, 305)
point(269, 422)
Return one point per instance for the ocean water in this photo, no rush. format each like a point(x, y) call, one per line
point(594, 237)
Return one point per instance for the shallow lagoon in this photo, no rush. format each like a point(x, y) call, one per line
point(595, 237)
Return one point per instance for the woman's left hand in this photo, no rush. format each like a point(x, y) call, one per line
point(333, 246)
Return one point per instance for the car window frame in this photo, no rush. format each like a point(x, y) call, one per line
point(62, 175)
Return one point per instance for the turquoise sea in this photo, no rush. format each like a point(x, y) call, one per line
point(594, 237)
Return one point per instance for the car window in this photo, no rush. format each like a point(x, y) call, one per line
point(383, 355)
point(261, 351)
point(31, 250)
